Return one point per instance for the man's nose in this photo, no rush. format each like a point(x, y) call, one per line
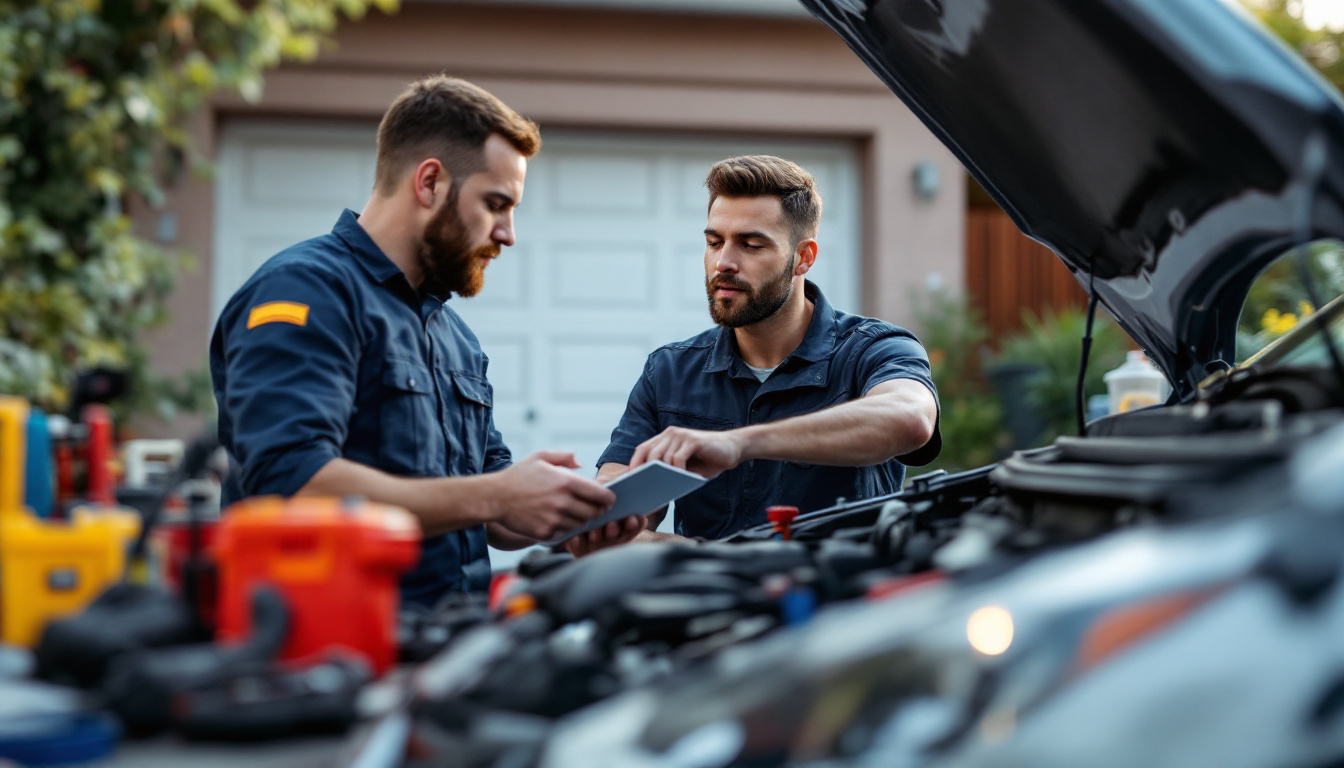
point(503, 233)
point(725, 261)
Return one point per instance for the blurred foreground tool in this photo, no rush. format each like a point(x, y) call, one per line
point(335, 562)
point(782, 518)
point(49, 568)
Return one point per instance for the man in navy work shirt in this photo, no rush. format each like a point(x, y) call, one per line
point(340, 370)
point(787, 401)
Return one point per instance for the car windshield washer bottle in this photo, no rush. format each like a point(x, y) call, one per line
point(1135, 384)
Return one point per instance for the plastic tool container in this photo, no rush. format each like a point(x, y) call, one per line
point(336, 563)
point(49, 569)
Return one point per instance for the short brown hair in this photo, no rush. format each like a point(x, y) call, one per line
point(449, 119)
point(761, 175)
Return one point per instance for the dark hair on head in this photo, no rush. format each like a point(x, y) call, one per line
point(762, 175)
point(449, 119)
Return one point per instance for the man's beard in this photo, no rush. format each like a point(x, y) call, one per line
point(755, 304)
point(446, 257)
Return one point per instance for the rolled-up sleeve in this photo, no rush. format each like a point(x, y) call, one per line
point(637, 424)
point(290, 354)
point(895, 354)
point(497, 454)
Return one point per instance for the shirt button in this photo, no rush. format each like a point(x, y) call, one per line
point(410, 383)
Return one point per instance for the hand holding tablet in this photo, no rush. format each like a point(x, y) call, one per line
point(647, 488)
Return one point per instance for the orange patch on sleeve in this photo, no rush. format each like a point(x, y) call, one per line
point(277, 312)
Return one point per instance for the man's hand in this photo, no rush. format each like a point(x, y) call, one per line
point(538, 499)
point(704, 453)
point(612, 534)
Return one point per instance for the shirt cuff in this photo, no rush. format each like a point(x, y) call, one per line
point(616, 454)
point(286, 474)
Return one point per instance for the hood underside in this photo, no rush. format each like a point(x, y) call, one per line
point(1157, 146)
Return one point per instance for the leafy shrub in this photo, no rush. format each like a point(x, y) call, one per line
point(1054, 341)
point(94, 95)
point(971, 421)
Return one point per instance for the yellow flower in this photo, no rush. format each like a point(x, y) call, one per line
point(1276, 322)
point(1269, 320)
point(1304, 308)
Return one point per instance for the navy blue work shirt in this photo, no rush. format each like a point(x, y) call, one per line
point(327, 351)
point(703, 383)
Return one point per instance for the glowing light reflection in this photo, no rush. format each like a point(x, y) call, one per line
point(990, 630)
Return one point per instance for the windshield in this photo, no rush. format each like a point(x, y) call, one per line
point(1272, 328)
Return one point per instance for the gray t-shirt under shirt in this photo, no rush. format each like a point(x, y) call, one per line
point(761, 373)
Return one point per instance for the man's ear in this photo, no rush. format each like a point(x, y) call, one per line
point(429, 180)
point(806, 251)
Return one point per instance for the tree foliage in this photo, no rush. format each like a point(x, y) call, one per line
point(1320, 47)
point(94, 97)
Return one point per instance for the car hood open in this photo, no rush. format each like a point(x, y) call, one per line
point(1158, 146)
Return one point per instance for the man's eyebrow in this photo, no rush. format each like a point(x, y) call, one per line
point(712, 232)
point(753, 236)
point(503, 198)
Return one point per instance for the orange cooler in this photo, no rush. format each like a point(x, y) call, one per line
point(336, 562)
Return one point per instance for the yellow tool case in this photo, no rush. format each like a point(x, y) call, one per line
point(50, 569)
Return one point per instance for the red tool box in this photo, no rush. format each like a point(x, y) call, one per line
point(336, 563)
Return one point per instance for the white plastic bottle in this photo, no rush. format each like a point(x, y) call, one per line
point(1136, 384)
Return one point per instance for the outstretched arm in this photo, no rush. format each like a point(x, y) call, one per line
point(895, 417)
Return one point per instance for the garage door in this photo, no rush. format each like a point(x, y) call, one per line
point(608, 264)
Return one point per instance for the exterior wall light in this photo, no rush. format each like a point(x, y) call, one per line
point(924, 177)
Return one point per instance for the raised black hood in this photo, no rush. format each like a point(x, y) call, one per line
point(1158, 145)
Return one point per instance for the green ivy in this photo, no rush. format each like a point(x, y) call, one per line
point(94, 98)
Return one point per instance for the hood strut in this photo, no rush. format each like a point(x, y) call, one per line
point(1087, 350)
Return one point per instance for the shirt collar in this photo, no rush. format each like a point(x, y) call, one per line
point(818, 343)
point(367, 253)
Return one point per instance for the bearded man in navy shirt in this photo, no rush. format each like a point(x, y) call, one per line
point(788, 400)
point(340, 369)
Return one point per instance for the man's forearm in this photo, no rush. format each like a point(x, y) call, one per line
point(500, 537)
point(441, 503)
point(862, 432)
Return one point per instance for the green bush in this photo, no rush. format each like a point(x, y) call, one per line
point(94, 96)
point(971, 421)
point(1054, 341)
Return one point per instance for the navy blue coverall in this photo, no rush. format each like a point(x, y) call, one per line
point(327, 351)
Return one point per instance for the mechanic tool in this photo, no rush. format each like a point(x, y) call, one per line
point(52, 568)
point(782, 517)
point(124, 618)
point(180, 548)
point(141, 685)
point(335, 561)
point(274, 701)
point(99, 486)
point(39, 493)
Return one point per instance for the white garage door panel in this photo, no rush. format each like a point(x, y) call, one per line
point(609, 263)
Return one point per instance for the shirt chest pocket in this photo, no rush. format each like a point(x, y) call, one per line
point(684, 417)
point(474, 399)
point(411, 442)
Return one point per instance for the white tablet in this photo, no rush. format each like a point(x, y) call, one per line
point(644, 489)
